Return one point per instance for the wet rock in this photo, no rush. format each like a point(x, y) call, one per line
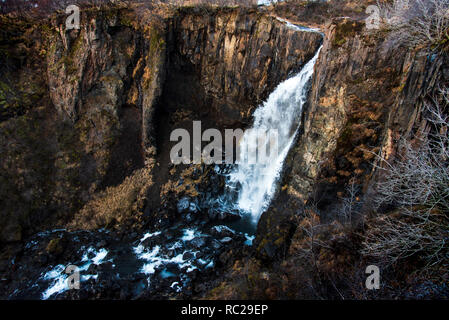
point(171, 253)
point(222, 231)
point(198, 250)
point(91, 254)
point(189, 217)
point(226, 240)
point(187, 256)
point(106, 266)
point(183, 205)
point(187, 205)
point(149, 242)
point(198, 242)
point(101, 244)
point(172, 267)
point(229, 216)
point(223, 215)
point(162, 223)
point(168, 235)
point(216, 245)
point(93, 269)
point(139, 288)
point(42, 259)
point(192, 274)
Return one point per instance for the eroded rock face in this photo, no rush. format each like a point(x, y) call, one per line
point(365, 96)
point(219, 68)
point(111, 92)
point(89, 149)
point(238, 58)
point(363, 88)
point(86, 133)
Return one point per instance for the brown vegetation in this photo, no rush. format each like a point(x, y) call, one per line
point(116, 206)
point(418, 23)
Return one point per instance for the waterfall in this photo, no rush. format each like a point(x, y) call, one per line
point(256, 183)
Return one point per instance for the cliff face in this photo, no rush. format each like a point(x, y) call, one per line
point(102, 99)
point(237, 57)
point(86, 117)
point(86, 132)
point(90, 122)
point(365, 96)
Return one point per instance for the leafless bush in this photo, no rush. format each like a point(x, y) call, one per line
point(417, 184)
point(350, 204)
point(420, 175)
point(308, 226)
point(392, 238)
point(309, 242)
point(418, 23)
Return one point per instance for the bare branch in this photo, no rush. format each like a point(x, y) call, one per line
point(417, 183)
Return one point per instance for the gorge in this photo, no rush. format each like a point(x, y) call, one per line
point(87, 178)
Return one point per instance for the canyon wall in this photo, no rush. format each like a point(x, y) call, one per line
point(365, 97)
point(238, 57)
point(87, 113)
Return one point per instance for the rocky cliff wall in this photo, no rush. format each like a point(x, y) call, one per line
point(366, 95)
point(238, 57)
point(81, 140)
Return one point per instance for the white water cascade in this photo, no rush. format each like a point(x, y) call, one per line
point(256, 183)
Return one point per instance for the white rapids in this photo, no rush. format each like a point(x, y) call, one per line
point(256, 183)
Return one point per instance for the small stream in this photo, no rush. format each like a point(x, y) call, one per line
point(160, 263)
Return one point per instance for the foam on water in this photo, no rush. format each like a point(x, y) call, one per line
point(249, 240)
point(58, 278)
point(298, 27)
point(267, 2)
point(99, 257)
point(175, 286)
point(156, 258)
point(189, 234)
point(59, 285)
point(150, 235)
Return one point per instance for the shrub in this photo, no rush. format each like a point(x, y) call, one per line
point(417, 184)
point(418, 23)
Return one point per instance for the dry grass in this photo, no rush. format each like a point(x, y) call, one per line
point(115, 204)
